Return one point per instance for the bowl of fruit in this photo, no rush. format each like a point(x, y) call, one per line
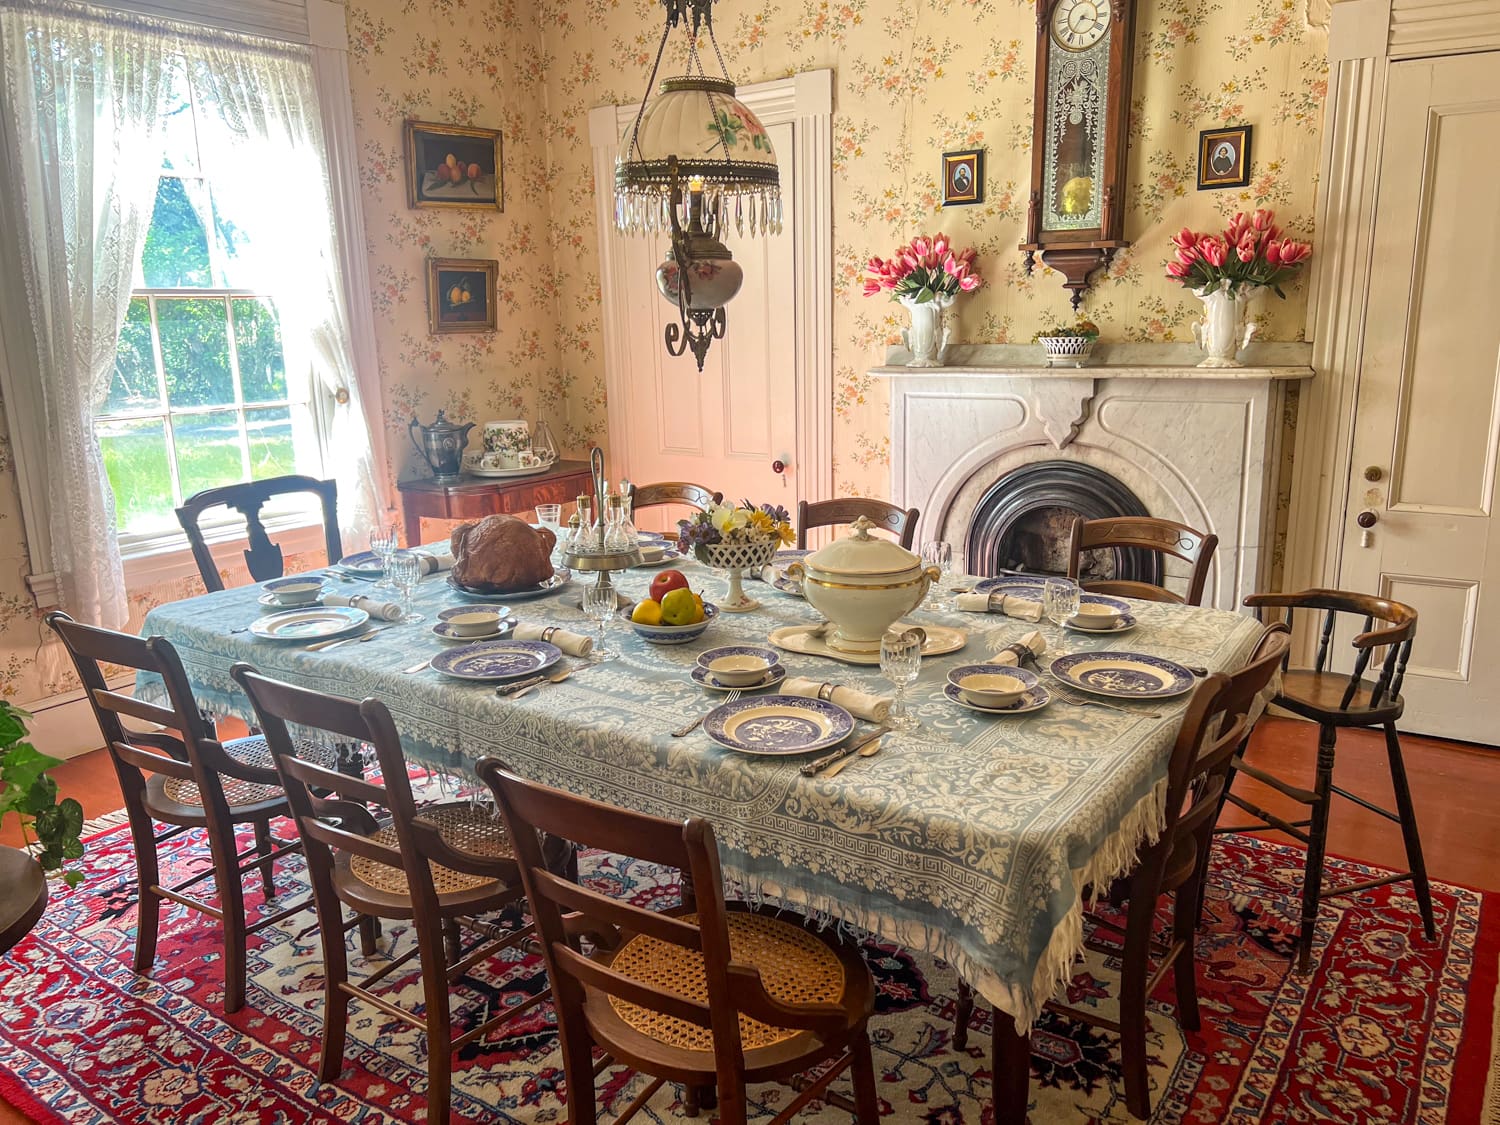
point(671, 614)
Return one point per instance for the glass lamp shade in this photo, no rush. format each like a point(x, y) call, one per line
point(711, 281)
point(714, 137)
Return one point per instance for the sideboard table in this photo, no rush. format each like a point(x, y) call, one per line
point(472, 497)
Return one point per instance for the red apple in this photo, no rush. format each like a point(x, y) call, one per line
point(667, 581)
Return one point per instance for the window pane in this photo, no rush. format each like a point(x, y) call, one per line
point(208, 450)
point(194, 336)
point(133, 386)
point(272, 450)
point(176, 253)
point(257, 338)
point(135, 457)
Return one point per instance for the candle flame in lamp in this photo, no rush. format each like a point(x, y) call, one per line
point(695, 184)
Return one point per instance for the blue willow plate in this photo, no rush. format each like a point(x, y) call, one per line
point(365, 562)
point(709, 655)
point(497, 660)
point(778, 724)
point(445, 631)
point(705, 679)
point(454, 610)
point(1027, 586)
point(1124, 675)
point(314, 623)
point(671, 555)
point(558, 580)
point(1126, 623)
point(1034, 700)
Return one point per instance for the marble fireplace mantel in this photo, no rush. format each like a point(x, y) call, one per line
point(1197, 445)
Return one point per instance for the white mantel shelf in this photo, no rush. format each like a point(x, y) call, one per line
point(1277, 361)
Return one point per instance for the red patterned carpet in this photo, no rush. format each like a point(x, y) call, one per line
point(1389, 1028)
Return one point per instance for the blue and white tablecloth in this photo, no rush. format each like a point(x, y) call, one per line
point(969, 838)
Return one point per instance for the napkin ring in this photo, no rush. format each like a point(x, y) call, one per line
point(825, 692)
point(549, 632)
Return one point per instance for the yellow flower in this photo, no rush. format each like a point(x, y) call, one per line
point(762, 522)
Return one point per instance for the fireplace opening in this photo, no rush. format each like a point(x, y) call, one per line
point(1023, 522)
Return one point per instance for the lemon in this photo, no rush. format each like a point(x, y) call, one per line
point(679, 608)
point(646, 612)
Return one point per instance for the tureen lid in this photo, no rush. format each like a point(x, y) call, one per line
point(860, 553)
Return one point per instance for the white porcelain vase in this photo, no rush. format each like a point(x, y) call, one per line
point(734, 559)
point(927, 336)
point(1223, 331)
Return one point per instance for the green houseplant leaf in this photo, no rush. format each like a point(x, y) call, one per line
point(30, 792)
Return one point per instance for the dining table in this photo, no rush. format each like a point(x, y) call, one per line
point(972, 837)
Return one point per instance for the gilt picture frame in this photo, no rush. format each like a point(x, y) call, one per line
point(1224, 157)
point(461, 294)
point(453, 166)
point(963, 178)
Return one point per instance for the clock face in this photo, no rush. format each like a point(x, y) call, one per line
point(1078, 24)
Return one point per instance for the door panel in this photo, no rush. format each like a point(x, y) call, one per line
point(724, 427)
point(1428, 413)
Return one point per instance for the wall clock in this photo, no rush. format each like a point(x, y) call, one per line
point(1076, 217)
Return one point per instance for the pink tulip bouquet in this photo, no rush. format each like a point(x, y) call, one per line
point(1252, 251)
point(926, 270)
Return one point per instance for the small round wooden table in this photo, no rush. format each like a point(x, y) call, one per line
point(23, 896)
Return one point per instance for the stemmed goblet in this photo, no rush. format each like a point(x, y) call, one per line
point(383, 543)
point(406, 571)
point(939, 553)
point(900, 663)
point(599, 605)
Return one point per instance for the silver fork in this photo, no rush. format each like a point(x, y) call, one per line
point(683, 731)
point(1070, 697)
point(416, 667)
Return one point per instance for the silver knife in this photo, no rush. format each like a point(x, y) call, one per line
point(520, 685)
point(842, 752)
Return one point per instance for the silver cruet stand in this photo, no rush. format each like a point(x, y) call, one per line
point(586, 551)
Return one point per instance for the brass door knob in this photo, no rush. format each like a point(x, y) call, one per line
point(1367, 519)
point(1373, 473)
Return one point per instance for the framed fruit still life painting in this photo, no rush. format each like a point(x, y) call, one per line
point(461, 294)
point(453, 166)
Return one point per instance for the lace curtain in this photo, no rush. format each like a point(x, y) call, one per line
point(82, 107)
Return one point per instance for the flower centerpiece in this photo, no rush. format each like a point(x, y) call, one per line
point(734, 538)
point(1068, 342)
point(926, 276)
point(1226, 271)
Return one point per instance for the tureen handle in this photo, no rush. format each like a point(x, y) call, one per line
point(861, 527)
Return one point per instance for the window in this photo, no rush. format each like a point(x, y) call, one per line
point(200, 395)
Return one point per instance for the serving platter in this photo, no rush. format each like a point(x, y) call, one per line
point(941, 639)
point(496, 660)
point(474, 469)
point(560, 578)
point(1034, 700)
point(1124, 675)
point(776, 725)
point(314, 623)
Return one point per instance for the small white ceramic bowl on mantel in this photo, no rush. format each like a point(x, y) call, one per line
point(1067, 351)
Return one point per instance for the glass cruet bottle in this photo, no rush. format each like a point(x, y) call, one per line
point(543, 444)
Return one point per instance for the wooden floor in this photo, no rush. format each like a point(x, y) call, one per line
point(1456, 788)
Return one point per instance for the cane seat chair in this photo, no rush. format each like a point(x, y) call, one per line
point(262, 557)
point(1335, 700)
point(708, 994)
point(1165, 537)
point(900, 522)
point(1219, 717)
point(183, 777)
point(441, 867)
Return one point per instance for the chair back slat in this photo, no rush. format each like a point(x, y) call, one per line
point(673, 492)
point(122, 704)
point(601, 908)
point(900, 522)
point(1163, 537)
point(262, 557)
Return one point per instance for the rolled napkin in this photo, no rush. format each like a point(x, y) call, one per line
point(435, 562)
point(1023, 608)
point(383, 611)
point(574, 644)
point(766, 573)
point(1011, 654)
point(862, 705)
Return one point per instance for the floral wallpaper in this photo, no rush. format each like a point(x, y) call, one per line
point(914, 78)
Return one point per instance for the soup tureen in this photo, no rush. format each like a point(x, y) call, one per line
point(863, 584)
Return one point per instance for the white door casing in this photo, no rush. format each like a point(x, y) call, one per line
point(1427, 422)
point(766, 392)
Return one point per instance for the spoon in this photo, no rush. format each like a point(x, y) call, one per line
point(556, 678)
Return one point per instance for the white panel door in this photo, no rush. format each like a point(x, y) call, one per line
point(726, 426)
point(1428, 417)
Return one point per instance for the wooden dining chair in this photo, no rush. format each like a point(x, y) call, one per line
point(262, 557)
point(1335, 700)
point(185, 778)
point(1165, 537)
point(672, 492)
point(900, 522)
point(1218, 719)
point(709, 994)
point(437, 866)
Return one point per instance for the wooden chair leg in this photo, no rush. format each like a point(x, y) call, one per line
point(1133, 977)
point(1317, 845)
point(691, 1100)
point(1409, 833)
point(147, 902)
point(578, 1075)
point(862, 1074)
point(1012, 1067)
point(1185, 912)
point(369, 932)
point(963, 1013)
point(232, 903)
point(335, 999)
point(452, 941)
point(263, 848)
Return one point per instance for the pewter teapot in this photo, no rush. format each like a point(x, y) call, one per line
point(442, 445)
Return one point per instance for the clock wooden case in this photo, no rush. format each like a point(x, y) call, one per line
point(1076, 217)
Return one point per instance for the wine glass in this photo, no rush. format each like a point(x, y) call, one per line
point(939, 553)
point(1060, 599)
point(406, 571)
point(599, 604)
point(900, 663)
point(383, 543)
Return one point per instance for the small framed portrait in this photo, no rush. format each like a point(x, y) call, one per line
point(453, 166)
point(963, 178)
point(461, 294)
point(1224, 158)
